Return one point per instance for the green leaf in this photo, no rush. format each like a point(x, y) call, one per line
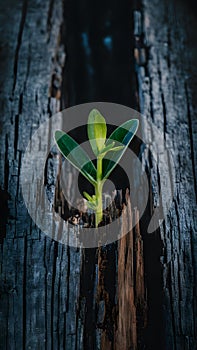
point(97, 131)
point(123, 135)
point(110, 148)
point(107, 148)
point(72, 151)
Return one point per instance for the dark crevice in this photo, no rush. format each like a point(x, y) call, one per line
point(100, 66)
point(24, 291)
point(4, 213)
point(46, 293)
point(163, 103)
point(59, 302)
point(18, 175)
point(53, 295)
point(153, 250)
point(16, 129)
point(19, 40)
point(169, 286)
point(49, 17)
point(164, 115)
point(6, 165)
point(99, 52)
point(68, 278)
point(28, 68)
point(151, 102)
point(87, 291)
point(191, 140)
point(20, 105)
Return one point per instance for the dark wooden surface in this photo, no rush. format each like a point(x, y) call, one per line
point(141, 292)
point(168, 97)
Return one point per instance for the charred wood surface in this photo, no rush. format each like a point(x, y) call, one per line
point(137, 293)
point(165, 56)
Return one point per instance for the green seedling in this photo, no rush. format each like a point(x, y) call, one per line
point(108, 152)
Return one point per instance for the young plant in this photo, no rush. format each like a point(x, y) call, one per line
point(108, 152)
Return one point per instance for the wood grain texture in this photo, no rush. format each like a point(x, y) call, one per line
point(167, 96)
point(33, 267)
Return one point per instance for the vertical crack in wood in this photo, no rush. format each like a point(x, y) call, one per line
point(19, 40)
point(24, 291)
point(194, 161)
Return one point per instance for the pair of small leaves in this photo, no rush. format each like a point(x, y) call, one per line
point(97, 132)
point(91, 200)
point(116, 145)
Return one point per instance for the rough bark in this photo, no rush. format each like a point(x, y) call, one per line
point(167, 95)
point(31, 264)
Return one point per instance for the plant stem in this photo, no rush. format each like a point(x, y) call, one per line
point(98, 192)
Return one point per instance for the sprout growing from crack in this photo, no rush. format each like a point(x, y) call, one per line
point(114, 147)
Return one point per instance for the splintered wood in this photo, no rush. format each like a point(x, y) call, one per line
point(125, 308)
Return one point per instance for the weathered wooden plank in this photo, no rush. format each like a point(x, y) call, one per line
point(31, 273)
point(167, 97)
